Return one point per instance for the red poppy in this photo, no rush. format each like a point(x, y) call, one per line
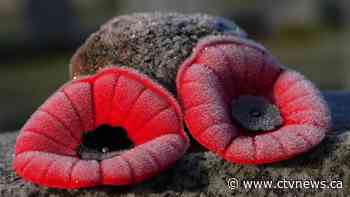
point(67, 144)
point(240, 103)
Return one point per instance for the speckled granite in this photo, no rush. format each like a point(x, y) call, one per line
point(153, 43)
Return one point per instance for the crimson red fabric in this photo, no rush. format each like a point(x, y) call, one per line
point(221, 69)
point(46, 149)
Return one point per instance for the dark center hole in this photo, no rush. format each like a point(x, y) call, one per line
point(104, 142)
point(255, 113)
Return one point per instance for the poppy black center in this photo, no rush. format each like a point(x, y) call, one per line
point(104, 142)
point(255, 113)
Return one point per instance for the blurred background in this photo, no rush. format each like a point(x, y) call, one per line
point(38, 37)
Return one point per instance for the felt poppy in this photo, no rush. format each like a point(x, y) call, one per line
point(114, 128)
point(240, 103)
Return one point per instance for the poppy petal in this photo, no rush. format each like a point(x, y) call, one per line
point(80, 96)
point(223, 69)
point(47, 148)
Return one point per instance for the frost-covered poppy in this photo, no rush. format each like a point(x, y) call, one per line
point(114, 128)
point(239, 102)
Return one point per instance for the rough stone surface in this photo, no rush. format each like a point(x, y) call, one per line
point(203, 174)
point(153, 43)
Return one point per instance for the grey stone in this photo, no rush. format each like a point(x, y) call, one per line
point(154, 43)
